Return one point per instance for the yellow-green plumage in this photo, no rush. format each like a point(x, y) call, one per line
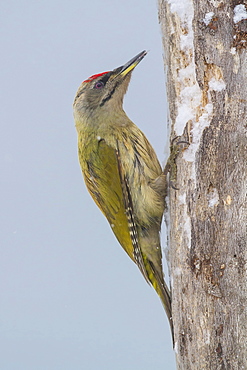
point(122, 172)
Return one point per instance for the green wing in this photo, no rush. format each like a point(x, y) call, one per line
point(106, 182)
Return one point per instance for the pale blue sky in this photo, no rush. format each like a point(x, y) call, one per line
point(71, 299)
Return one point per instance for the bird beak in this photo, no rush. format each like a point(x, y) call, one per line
point(131, 64)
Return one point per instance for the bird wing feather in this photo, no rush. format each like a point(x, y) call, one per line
point(108, 184)
point(129, 211)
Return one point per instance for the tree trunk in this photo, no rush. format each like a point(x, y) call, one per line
point(205, 59)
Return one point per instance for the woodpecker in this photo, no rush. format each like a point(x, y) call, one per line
point(122, 172)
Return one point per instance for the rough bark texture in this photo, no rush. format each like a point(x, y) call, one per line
point(208, 214)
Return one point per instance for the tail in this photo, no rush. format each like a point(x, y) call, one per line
point(165, 297)
point(161, 288)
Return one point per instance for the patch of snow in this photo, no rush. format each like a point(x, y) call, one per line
point(207, 337)
point(215, 3)
point(198, 128)
point(212, 202)
point(182, 198)
point(185, 12)
point(187, 227)
point(208, 17)
point(216, 85)
point(189, 99)
point(213, 198)
point(239, 13)
point(187, 40)
point(182, 8)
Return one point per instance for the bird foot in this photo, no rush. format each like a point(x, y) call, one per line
point(171, 166)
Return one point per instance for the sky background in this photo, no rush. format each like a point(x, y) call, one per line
point(70, 296)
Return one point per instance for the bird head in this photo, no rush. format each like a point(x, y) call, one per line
point(105, 91)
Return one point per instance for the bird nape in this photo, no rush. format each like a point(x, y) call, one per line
point(122, 172)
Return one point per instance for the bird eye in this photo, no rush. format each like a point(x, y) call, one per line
point(99, 85)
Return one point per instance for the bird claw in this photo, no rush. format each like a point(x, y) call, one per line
point(179, 142)
point(172, 185)
point(171, 166)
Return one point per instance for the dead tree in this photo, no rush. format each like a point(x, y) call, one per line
point(205, 53)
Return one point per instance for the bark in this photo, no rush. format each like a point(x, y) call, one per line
point(206, 64)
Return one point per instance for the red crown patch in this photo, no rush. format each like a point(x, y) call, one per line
point(95, 76)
